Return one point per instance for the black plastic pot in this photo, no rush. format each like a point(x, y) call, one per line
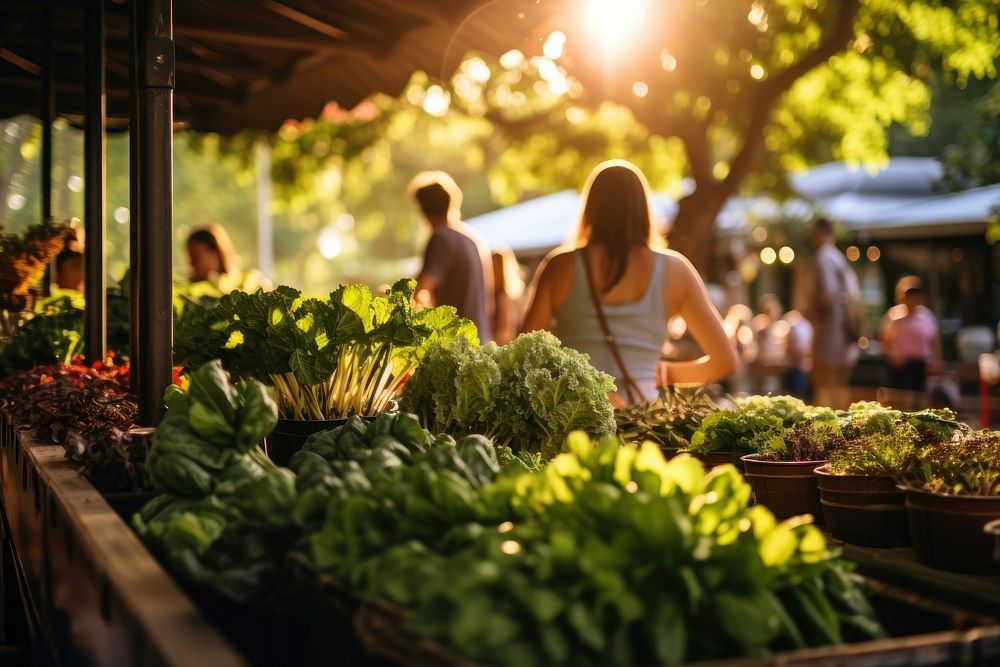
point(290, 435)
point(786, 488)
point(993, 529)
point(869, 511)
point(948, 532)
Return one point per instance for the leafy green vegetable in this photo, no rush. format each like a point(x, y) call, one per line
point(669, 421)
point(326, 358)
point(756, 424)
point(529, 394)
point(608, 555)
point(968, 465)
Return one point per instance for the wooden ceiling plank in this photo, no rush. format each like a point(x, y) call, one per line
point(20, 62)
point(304, 19)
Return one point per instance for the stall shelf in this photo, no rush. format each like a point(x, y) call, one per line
point(95, 595)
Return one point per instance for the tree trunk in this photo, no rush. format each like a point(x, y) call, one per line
point(693, 231)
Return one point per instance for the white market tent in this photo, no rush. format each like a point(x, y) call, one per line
point(532, 228)
point(899, 200)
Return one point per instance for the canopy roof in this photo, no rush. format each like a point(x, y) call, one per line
point(255, 63)
point(901, 200)
point(532, 228)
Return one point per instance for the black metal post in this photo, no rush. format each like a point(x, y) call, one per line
point(48, 114)
point(151, 250)
point(135, 233)
point(94, 314)
point(48, 109)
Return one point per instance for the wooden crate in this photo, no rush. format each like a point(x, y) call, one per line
point(100, 597)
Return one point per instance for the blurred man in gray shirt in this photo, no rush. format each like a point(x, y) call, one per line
point(457, 268)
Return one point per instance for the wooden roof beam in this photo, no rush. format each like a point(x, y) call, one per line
point(304, 19)
point(20, 62)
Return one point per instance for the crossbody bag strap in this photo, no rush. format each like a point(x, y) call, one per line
point(632, 391)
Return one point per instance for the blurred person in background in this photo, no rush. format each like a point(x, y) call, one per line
point(910, 338)
point(69, 270)
point(210, 254)
point(457, 268)
point(771, 338)
point(798, 355)
point(612, 295)
point(829, 296)
point(508, 287)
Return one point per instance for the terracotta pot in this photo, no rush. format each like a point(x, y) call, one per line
point(787, 488)
point(948, 532)
point(863, 510)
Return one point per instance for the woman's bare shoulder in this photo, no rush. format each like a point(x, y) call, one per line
point(560, 260)
point(677, 264)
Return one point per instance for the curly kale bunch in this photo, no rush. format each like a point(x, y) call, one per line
point(529, 394)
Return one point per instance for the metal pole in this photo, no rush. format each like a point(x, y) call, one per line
point(135, 233)
point(94, 314)
point(48, 109)
point(48, 114)
point(152, 316)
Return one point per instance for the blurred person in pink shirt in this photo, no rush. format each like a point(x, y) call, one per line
point(910, 338)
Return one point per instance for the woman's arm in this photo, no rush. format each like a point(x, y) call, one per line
point(550, 288)
point(687, 297)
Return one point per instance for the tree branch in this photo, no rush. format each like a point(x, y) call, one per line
point(836, 40)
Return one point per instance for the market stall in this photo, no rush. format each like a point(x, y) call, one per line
point(347, 479)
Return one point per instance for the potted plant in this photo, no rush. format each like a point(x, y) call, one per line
point(952, 492)
point(754, 424)
point(781, 473)
point(23, 260)
point(327, 359)
point(861, 501)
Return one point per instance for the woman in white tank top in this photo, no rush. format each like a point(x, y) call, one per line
point(639, 286)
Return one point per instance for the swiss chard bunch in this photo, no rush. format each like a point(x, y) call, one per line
point(529, 394)
point(326, 358)
point(756, 424)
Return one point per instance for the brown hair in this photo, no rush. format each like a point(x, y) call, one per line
point(617, 215)
point(436, 193)
point(215, 238)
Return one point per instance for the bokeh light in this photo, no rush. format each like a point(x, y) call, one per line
point(873, 253)
point(612, 21)
point(853, 253)
point(768, 255)
point(786, 255)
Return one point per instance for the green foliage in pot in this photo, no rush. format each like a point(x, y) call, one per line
point(529, 394)
point(756, 424)
point(326, 358)
point(885, 442)
point(967, 465)
point(806, 441)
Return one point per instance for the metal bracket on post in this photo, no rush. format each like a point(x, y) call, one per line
point(159, 61)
